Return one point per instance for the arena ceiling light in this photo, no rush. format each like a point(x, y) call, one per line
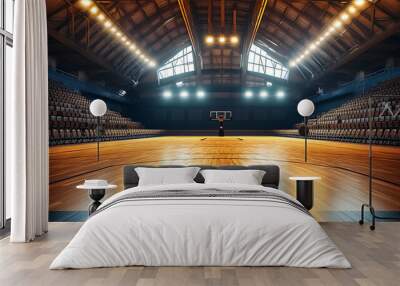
point(222, 38)
point(167, 94)
point(200, 94)
point(336, 25)
point(280, 94)
point(184, 94)
point(248, 94)
point(234, 40)
point(263, 94)
point(209, 40)
point(94, 11)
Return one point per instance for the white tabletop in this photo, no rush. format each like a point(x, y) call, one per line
point(304, 178)
point(86, 187)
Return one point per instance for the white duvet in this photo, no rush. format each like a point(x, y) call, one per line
point(211, 231)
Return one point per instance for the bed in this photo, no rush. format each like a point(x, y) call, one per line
point(198, 224)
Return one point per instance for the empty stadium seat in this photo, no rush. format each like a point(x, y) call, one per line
point(70, 121)
point(350, 121)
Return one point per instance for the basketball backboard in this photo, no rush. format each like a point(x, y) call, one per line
point(227, 115)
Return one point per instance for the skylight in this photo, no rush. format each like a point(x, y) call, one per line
point(261, 62)
point(181, 63)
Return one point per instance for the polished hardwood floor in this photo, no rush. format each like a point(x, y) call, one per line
point(342, 166)
point(374, 255)
point(375, 259)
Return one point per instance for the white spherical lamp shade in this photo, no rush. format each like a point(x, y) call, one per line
point(98, 107)
point(305, 107)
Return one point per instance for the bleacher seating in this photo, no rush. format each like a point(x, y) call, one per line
point(70, 120)
point(349, 122)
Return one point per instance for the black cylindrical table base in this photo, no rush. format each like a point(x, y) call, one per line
point(96, 195)
point(305, 193)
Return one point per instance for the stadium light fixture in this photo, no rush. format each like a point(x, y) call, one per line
point(234, 39)
point(101, 16)
point(167, 94)
point(269, 84)
point(107, 24)
point(352, 9)
point(184, 94)
point(94, 10)
point(132, 47)
point(200, 94)
point(263, 94)
point(248, 94)
point(359, 2)
point(222, 39)
point(210, 40)
point(86, 3)
point(280, 94)
point(344, 16)
point(337, 23)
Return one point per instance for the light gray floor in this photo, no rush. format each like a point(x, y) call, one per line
point(375, 257)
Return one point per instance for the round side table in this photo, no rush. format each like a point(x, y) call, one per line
point(96, 193)
point(305, 190)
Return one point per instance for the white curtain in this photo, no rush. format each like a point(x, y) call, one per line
point(27, 124)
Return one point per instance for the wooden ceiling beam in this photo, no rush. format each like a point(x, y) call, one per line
point(355, 36)
point(252, 29)
point(280, 41)
point(61, 8)
point(384, 10)
point(355, 21)
point(81, 25)
point(301, 35)
point(316, 23)
point(151, 22)
point(393, 29)
point(97, 40)
point(61, 38)
point(298, 38)
point(187, 17)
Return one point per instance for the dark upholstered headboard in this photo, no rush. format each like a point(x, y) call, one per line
point(270, 179)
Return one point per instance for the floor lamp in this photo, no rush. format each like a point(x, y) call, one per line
point(98, 108)
point(371, 115)
point(305, 108)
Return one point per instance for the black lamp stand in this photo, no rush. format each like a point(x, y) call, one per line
point(305, 139)
point(370, 157)
point(98, 138)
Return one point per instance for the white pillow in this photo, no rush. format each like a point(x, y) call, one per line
point(166, 176)
point(248, 177)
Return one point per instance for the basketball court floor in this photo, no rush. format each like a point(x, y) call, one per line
point(343, 168)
